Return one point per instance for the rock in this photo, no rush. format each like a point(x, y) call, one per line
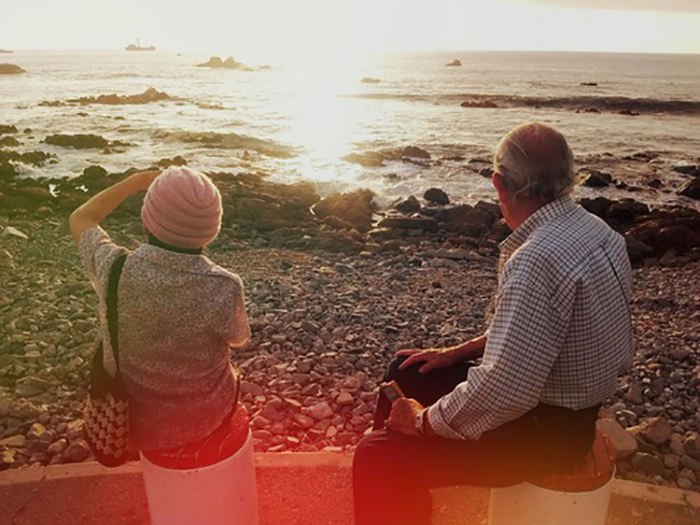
point(303, 421)
point(409, 206)
point(637, 250)
point(36, 431)
point(10, 69)
point(656, 430)
point(690, 463)
point(9, 141)
point(634, 394)
point(589, 84)
point(478, 104)
point(321, 410)
point(229, 63)
point(370, 80)
point(148, 96)
point(17, 441)
point(415, 152)
point(686, 169)
point(369, 159)
point(597, 179)
point(691, 189)
point(356, 208)
point(58, 447)
point(345, 399)
point(248, 387)
point(78, 141)
point(455, 63)
point(469, 220)
point(623, 441)
point(10, 230)
point(436, 196)
point(410, 223)
point(76, 451)
point(271, 411)
point(7, 128)
point(94, 172)
point(648, 464)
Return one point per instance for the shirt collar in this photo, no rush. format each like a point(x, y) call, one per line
point(546, 213)
point(183, 262)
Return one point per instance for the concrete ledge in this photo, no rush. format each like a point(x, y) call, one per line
point(294, 489)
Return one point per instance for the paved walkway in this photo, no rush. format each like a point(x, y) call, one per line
point(294, 489)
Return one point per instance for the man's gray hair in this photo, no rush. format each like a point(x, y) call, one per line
point(535, 162)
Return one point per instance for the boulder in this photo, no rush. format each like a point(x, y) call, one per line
point(455, 63)
point(79, 141)
point(356, 207)
point(626, 210)
point(369, 159)
point(691, 189)
point(637, 250)
point(685, 169)
point(10, 69)
point(436, 196)
point(5, 128)
point(370, 80)
point(472, 221)
point(9, 141)
point(410, 223)
point(415, 151)
point(408, 206)
point(597, 179)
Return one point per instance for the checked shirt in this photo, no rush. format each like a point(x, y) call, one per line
point(561, 331)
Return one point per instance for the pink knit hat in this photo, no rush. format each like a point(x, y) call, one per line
point(182, 208)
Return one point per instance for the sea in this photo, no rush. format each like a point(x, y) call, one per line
point(297, 121)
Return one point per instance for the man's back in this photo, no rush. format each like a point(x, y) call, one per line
point(583, 265)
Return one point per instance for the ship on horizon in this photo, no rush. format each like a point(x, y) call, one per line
point(139, 47)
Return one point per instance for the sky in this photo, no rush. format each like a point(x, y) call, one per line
point(283, 29)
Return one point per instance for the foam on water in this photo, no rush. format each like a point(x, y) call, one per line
point(294, 126)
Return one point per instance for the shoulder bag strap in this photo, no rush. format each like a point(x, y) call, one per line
point(112, 300)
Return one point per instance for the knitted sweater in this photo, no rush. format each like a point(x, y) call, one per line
point(178, 315)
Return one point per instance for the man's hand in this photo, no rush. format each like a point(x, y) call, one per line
point(404, 415)
point(443, 357)
point(432, 357)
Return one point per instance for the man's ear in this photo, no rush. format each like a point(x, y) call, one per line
point(499, 184)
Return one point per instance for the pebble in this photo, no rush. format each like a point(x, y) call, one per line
point(623, 442)
point(76, 451)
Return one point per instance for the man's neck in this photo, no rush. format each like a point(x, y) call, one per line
point(522, 210)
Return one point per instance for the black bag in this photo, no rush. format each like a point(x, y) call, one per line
point(107, 410)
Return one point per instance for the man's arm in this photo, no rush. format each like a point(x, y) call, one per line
point(525, 338)
point(99, 206)
point(443, 357)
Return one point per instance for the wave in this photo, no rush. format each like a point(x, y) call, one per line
point(593, 104)
point(211, 139)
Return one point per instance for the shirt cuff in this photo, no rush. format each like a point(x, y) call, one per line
point(439, 425)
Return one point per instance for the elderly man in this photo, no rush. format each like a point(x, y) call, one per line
point(560, 333)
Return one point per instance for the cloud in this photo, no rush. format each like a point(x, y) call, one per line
point(684, 6)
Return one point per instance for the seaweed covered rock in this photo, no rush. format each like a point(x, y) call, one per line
point(79, 141)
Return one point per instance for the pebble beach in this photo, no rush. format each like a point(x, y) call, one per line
point(331, 296)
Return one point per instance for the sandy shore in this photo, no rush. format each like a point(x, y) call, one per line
point(331, 297)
